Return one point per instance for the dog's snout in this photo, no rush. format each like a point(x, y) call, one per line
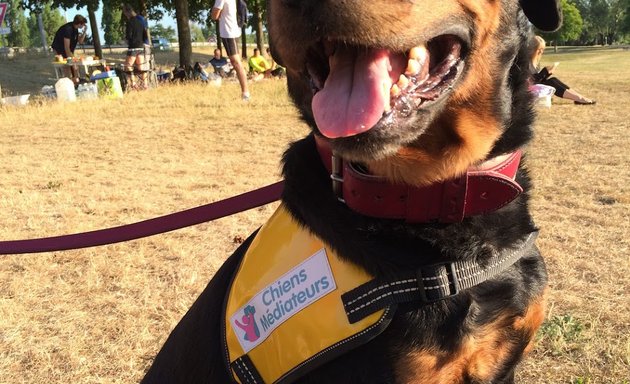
point(396, 25)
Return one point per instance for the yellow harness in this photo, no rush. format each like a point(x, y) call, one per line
point(284, 314)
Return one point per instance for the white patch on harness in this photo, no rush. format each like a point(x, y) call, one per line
point(282, 299)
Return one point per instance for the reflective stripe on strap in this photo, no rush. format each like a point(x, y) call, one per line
point(429, 283)
point(245, 370)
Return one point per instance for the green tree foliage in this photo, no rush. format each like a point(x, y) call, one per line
point(600, 14)
point(572, 24)
point(112, 25)
point(616, 18)
point(16, 20)
point(209, 31)
point(604, 20)
point(258, 8)
point(159, 30)
point(196, 33)
point(52, 19)
point(625, 21)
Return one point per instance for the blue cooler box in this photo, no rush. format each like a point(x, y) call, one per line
point(103, 75)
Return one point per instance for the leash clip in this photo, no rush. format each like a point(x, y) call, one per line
point(336, 177)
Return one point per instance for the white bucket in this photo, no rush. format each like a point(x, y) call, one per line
point(19, 101)
point(65, 90)
point(543, 93)
point(544, 101)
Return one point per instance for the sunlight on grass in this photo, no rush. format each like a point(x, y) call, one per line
point(99, 315)
point(561, 334)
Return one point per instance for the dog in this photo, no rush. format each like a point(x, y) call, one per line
point(412, 182)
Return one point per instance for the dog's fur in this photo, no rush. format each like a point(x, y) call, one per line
point(481, 334)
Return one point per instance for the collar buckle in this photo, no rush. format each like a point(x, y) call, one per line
point(337, 177)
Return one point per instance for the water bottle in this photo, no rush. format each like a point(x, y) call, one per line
point(48, 91)
point(64, 88)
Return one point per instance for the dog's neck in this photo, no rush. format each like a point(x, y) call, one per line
point(482, 189)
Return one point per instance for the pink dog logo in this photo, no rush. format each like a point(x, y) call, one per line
point(249, 324)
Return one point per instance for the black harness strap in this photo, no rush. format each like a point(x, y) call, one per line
point(429, 283)
point(246, 371)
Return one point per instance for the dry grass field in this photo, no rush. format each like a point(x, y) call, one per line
point(99, 315)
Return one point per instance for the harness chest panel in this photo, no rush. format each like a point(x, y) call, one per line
point(283, 313)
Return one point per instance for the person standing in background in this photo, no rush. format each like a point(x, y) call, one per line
point(225, 12)
point(146, 35)
point(136, 34)
point(145, 24)
point(66, 39)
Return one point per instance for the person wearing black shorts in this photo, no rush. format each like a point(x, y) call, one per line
point(136, 33)
point(225, 12)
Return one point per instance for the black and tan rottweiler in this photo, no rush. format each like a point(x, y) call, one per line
point(411, 176)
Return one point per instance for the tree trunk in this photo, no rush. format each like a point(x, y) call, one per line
point(244, 42)
point(260, 38)
point(183, 33)
point(96, 38)
point(258, 20)
point(42, 32)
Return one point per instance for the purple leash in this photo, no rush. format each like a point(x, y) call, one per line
point(171, 222)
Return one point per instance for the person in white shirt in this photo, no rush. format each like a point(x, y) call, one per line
point(225, 12)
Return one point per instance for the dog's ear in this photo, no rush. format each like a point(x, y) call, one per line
point(546, 15)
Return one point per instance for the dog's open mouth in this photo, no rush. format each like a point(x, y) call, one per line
point(358, 88)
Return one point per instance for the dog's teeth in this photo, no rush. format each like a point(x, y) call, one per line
point(394, 91)
point(418, 53)
point(403, 82)
point(413, 67)
point(387, 86)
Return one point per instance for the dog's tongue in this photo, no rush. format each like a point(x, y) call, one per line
point(356, 92)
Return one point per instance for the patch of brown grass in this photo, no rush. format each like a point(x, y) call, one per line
point(579, 160)
point(100, 314)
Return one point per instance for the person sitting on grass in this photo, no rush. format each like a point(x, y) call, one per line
point(259, 67)
point(221, 65)
point(544, 75)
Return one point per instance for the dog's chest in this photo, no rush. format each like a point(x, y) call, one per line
point(284, 311)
